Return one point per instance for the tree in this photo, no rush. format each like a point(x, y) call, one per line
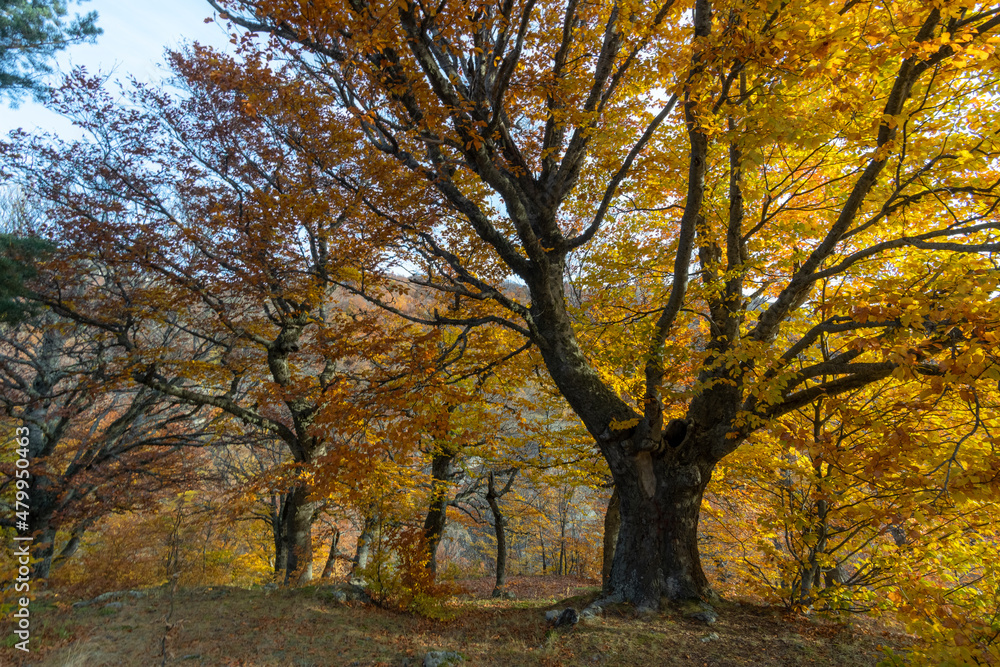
point(20, 251)
point(31, 32)
point(95, 444)
point(202, 222)
point(493, 497)
point(830, 496)
point(791, 145)
point(18, 256)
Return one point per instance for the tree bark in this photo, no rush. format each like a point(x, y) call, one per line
point(499, 527)
point(656, 555)
point(299, 516)
point(43, 552)
point(279, 511)
point(612, 524)
point(44, 501)
point(40, 525)
point(562, 545)
point(541, 543)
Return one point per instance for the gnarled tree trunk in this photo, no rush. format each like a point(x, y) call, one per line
point(656, 555)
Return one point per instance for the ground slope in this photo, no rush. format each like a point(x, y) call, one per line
point(302, 627)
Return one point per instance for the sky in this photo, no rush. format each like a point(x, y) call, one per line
point(135, 35)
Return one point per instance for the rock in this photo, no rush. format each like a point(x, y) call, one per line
point(569, 616)
point(591, 611)
point(707, 616)
point(711, 637)
point(343, 593)
point(111, 595)
point(335, 595)
point(702, 612)
point(115, 606)
point(560, 618)
point(442, 659)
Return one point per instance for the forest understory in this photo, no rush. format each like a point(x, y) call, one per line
point(299, 626)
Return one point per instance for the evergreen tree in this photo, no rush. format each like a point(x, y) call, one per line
point(31, 31)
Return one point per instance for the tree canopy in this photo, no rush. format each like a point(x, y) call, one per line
point(779, 198)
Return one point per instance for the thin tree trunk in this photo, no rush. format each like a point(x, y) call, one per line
point(363, 550)
point(562, 545)
point(437, 511)
point(331, 558)
point(541, 542)
point(499, 527)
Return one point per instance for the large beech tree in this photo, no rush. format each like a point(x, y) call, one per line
point(698, 170)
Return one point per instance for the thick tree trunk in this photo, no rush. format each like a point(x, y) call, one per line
point(612, 523)
point(44, 496)
point(660, 488)
point(656, 556)
point(299, 516)
point(660, 466)
point(437, 511)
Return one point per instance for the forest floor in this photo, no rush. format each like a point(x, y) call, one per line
point(296, 627)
